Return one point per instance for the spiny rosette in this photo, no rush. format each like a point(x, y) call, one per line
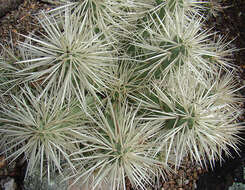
point(117, 147)
point(191, 7)
point(112, 18)
point(9, 82)
point(105, 15)
point(177, 40)
point(126, 82)
point(5, 75)
point(67, 56)
point(109, 10)
point(40, 130)
point(198, 121)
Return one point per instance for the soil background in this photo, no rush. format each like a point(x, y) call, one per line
point(229, 21)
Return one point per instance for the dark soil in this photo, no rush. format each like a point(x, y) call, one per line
point(21, 21)
point(229, 22)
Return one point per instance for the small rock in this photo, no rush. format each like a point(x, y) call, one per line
point(194, 185)
point(191, 177)
point(171, 182)
point(165, 186)
point(181, 172)
point(180, 182)
point(2, 162)
point(172, 186)
point(188, 164)
point(186, 187)
point(186, 181)
point(171, 177)
point(189, 172)
point(195, 175)
point(8, 184)
point(199, 169)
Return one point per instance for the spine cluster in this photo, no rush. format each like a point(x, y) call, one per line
point(120, 91)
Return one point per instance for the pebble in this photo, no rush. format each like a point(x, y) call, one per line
point(199, 169)
point(181, 172)
point(2, 162)
point(165, 186)
point(194, 185)
point(188, 171)
point(180, 182)
point(171, 182)
point(195, 175)
point(8, 184)
point(186, 181)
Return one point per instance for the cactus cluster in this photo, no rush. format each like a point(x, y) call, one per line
point(110, 92)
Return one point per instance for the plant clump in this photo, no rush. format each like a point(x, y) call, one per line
point(118, 92)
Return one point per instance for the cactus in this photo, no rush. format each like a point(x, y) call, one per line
point(119, 91)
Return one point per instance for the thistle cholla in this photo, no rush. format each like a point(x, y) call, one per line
point(118, 146)
point(40, 129)
point(200, 120)
point(164, 91)
point(177, 40)
point(69, 57)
